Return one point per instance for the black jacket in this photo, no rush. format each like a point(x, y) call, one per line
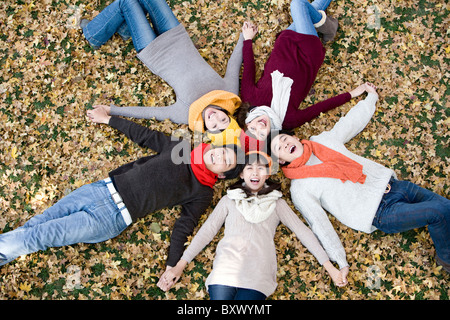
point(155, 182)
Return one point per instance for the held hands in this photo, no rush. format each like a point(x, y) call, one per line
point(100, 114)
point(339, 277)
point(171, 276)
point(249, 30)
point(366, 87)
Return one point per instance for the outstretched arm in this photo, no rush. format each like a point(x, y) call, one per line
point(358, 117)
point(177, 112)
point(141, 135)
point(311, 209)
point(248, 85)
point(204, 236)
point(296, 118)
point(234, 67)
point(309, 240)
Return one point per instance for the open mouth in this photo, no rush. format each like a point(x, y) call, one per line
point(254, 180)
point(263, 121)
point(292, 149)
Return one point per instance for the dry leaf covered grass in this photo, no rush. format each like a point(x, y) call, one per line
point(49, 76)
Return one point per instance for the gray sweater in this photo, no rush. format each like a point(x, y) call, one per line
point(353, 204)
point(174, 58)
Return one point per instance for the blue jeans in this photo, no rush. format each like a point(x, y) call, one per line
point(133, 13)
point(408, 206)
point(87, 215)
point(305, 15)
point(221, 292)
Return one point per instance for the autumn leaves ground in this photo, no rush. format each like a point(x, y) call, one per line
point(49, 76)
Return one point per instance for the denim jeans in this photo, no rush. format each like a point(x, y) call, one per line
point(133, 13)
point(87, 215)
point(305, 15)
point(221, 292)
point(408, 206)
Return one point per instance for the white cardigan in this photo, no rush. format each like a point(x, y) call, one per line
point(353, 204)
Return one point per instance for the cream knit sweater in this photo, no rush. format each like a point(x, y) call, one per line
point(353, 204)
point(246, 256)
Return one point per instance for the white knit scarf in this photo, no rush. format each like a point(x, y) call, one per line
point(255, 209)
point(281, 93)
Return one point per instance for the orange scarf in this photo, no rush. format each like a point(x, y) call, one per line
point(334, 165)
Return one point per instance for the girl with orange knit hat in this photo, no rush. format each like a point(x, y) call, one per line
point(166, 48)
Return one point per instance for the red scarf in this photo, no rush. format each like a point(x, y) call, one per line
point(334, 165)
point(203, 175)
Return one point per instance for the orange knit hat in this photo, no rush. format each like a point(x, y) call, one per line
point(263, 155)
point(223, 99)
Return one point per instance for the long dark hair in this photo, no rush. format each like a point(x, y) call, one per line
point(241, 114)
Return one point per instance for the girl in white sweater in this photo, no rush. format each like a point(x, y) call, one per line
point(245, 263)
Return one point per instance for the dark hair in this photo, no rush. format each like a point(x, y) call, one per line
point(271, 185)
point(256, 157)
point(240, 162)
point(241, 114)
point(204, 122)
point(269, 142)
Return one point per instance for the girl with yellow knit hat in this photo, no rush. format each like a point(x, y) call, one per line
point(212, 114)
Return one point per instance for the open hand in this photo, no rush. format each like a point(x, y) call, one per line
point(249, 30)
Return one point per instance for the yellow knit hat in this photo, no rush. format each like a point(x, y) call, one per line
point(231, 135)
point(223, 99)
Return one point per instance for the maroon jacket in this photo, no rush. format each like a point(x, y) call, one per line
point(299, 57)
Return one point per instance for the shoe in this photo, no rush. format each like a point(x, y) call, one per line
point(327, 26)
point(444, 265)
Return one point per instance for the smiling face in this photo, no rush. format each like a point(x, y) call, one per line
point(255, 175)
point(286, 147)
point(259, 127)
point(220, 160)
point(215, 120)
